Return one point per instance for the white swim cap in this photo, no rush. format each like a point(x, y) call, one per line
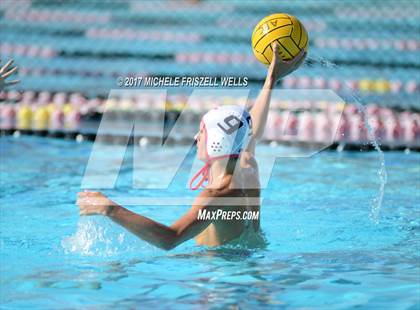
point(227, 130)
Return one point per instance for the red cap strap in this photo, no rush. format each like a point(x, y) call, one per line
point(204, 172)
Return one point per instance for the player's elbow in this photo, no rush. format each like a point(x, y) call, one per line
point(167, 246)
point(169, 243)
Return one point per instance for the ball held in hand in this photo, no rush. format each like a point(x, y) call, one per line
point(286, 29)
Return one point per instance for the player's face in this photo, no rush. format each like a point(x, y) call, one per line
point(201, 144)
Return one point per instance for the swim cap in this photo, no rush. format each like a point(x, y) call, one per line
point(227, 130)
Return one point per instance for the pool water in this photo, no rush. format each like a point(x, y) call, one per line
point(324, 248)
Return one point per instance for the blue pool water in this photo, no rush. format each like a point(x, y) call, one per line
point(324, 248)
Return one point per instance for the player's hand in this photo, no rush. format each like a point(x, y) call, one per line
point(94, 203)
point(6, 71)
point(280, 68)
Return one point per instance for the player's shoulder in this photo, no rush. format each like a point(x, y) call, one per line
point(223, 191)
point(207, 198)
point(218, 197)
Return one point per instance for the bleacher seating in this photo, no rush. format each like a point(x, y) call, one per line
point(64, 46)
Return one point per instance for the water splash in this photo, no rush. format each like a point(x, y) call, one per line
point(313, 60)
point(95, 236)
point(382, 174)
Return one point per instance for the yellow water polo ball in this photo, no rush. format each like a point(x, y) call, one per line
point(286, 29)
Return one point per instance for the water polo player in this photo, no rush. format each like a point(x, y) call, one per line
point(226, 143)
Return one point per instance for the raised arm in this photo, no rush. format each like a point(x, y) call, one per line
point(277, 70)
point(160, 235)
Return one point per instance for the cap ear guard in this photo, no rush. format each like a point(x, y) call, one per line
point(216, 144)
